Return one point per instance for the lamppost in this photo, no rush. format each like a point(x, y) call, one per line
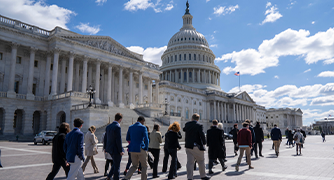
point(166, 104)
point(91, 91)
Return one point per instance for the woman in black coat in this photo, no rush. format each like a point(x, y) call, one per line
point(290, 138)
point(172, 138)
point(58, 154)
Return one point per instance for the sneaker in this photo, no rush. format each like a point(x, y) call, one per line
point(237, 168)
point(225, 167)
point(125, 172)
point(139, 171)
point(211, 172)
point(250, 167)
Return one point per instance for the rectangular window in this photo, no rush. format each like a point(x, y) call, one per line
point(34, 89)
point(18, 60)
point(66, 70)
point(51, 67)
point(180, 58)
point(171, 58)
point(49, 89)
point(175, 57)
point(1, 56)
point(16, 86)
point(137, 85)
point(189, 56)
point(203, 58)
point(146, 87)
point(35, 63)
point(195, 57)
point(185, 57)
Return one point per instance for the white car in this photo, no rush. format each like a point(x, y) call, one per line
point(44, 137)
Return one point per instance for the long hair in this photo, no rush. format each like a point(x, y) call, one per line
point(174, 127)
point(64, 128)
point(92, 128)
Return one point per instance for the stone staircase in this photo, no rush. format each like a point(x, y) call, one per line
point(130, 117)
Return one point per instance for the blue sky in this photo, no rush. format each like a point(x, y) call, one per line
point(284, 49)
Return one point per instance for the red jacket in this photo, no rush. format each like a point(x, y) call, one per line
point(245, 137)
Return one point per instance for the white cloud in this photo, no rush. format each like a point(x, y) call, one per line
point(100, 2)
point(326, 74)
point(134, 5)
point(272, 14)
point(214, 45)
point(207, 0)
point(313, 22)
point(85, 28)
point(169, 7)
point(210, 18)
point(36, 13)
point(290, 95)
point(318, 47)
point(307, 70)
point(316, 113)
point(276, 77)
point(151, 54)
point(223, 10)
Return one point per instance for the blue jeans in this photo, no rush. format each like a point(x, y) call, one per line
point(115, 168)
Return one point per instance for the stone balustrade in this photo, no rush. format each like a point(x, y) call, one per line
point(184, 87)
point(70, 94)
point(23, 26)
point(149, 105)
point(21, 96)
point(3, 94)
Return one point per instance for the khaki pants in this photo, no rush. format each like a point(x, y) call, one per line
point(137, 157)
point(241, 154)
point(277, 143)
point(193, 154)
point(92, 161)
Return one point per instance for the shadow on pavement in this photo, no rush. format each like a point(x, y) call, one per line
point(236, 173)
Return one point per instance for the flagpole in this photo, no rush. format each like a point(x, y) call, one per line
point(239, 82)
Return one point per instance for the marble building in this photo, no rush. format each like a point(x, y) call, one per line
point(44, 76)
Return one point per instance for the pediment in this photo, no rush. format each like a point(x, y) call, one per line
point(107, 44)
point(244, 96)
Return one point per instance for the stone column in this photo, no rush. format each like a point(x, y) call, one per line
point(218, 110)
point(187, 75)
point(193, 76)
point(11, 93)
point(120, 88)
point(47, 74)
point(157, 91)
point(224, 112)
point(70, 73)
point(132, 106)
point(149, 91)
point(214, 110)
point(208, 110)
point(199, 76)
point(84, 75)
point(55, 72)
point(233, 111)
point(77, 76)
point(219, 80)
point(170, 75)
point(97, 83)
point(176, 76)
point(140, 88)
point(210, 82)
point(102, 84)
point(30, 95)
point(90, 74)
point(182, 77)
point(63, 75)
point(110, 103)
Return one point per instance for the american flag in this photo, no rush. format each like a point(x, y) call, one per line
point(237, 73)
point(329, 115)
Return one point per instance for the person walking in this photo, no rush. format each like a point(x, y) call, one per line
point(253, 135)
point(290, 138)
point(323, 135)
point(73, 147)
point(166, 154)
point(304, 135)
point(299, 139)
point(215, 142)
point(58, 154)
point(90, 149)
point(107, 156)
point(276, 136)
point(173, 146)
point(234, 132)
point(149, 158)
point(287, 135)
point(220, 126)
point(138, 137)
point(113, 145)
point(194, 144)
point(154, 148)
point(259, 139)
point(245, 144)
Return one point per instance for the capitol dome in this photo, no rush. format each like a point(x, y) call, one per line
point(189, 60)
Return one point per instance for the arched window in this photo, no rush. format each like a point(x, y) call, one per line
point(203, 58)
point(180, 58)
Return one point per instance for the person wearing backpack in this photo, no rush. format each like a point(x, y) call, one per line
point(299, 139)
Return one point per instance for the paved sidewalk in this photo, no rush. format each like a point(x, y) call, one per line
point(26, 161)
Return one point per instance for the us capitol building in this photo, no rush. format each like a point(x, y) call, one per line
point(45, 77)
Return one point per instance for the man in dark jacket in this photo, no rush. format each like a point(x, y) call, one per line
point(216, 143)
point(73, 147)
point(58, 154)
point(234, 132)
point(304, 134)
point(250, 127)
point(276, 136)
point(194, 144)
point(245, 144)
point(259, 139)
point(113, 145)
